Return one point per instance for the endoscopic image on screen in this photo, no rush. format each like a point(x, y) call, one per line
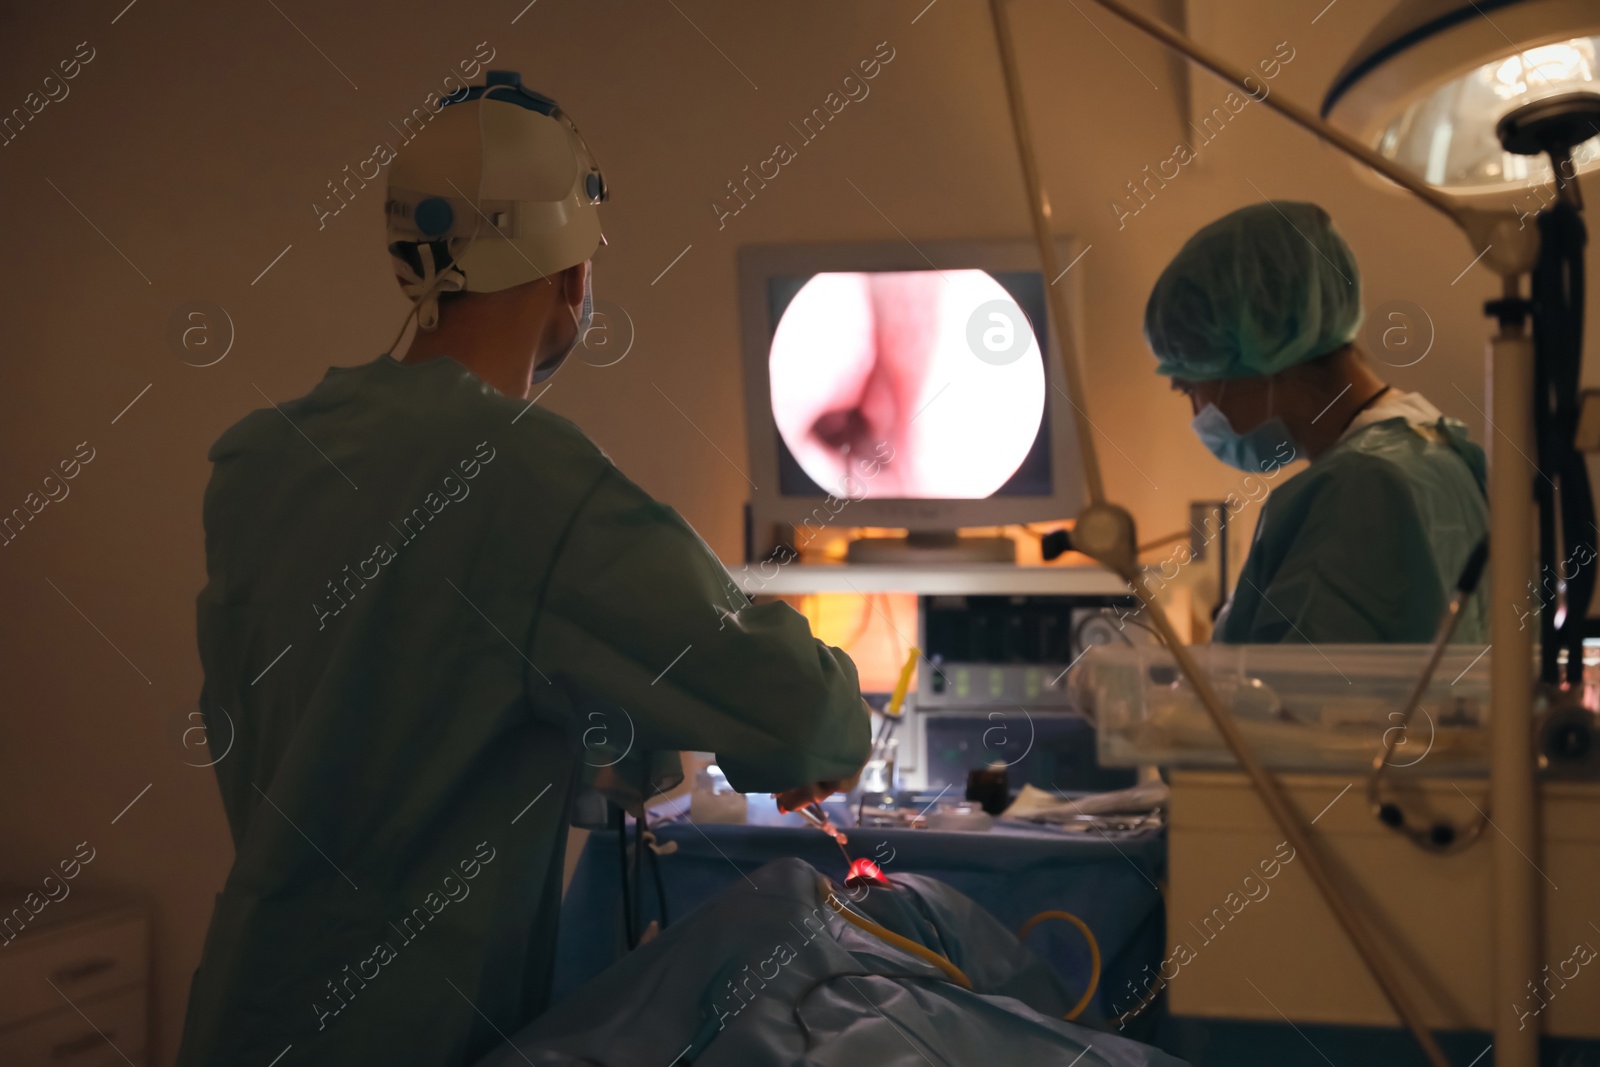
point(923, 385)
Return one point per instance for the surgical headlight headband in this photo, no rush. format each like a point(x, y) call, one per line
point(537, 186)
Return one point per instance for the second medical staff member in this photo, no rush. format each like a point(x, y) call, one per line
point(434, 610)
point(1255, 322)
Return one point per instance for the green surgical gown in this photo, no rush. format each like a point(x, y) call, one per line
point(432, 613)
point(1367, 543)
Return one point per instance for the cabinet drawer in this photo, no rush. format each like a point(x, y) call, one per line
point(83, 961)
point(65, 1039)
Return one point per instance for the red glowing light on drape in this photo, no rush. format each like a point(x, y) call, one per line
point(866, 870)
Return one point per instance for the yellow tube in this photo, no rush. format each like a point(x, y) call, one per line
point(1094, 954)
point(906, 944)
point(957, 975)
point(899, 697)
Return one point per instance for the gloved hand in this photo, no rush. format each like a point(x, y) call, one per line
point(795, 799)
point(798, 797)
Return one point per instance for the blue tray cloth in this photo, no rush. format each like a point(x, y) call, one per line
point(1107, 881)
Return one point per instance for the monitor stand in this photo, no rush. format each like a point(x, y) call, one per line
point(931, 546)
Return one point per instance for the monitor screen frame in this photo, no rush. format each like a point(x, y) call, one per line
point(759, 264)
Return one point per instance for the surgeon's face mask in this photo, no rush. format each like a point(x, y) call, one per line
point(1261, 450)
point(582, 320)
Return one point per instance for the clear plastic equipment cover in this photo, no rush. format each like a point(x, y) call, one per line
point(1301, 707)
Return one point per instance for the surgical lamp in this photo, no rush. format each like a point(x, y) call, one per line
point(1429, 85)
point(1420, 95)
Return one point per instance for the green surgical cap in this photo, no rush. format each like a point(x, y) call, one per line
point(1261, 289)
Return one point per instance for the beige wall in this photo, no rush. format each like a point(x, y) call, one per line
point(199, 136)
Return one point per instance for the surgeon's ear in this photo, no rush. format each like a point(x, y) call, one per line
point(572, 282)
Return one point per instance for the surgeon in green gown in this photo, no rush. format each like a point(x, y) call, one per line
point(1255, 322)
point(435, 611)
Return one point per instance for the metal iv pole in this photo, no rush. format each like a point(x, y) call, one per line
point(1105, 532)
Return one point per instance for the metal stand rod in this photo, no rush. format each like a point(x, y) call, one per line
point(1515, 880)
point(1039, 207)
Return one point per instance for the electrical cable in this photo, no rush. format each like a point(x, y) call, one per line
point(638, 870)
point(1565, 499)
point(661, 889)
point(1222, 563)
point(1134, 620)
point(622, 866)
point(1441, 836)
point(655, 875)
point(1094, 954)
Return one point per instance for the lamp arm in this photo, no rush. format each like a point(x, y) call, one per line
point(1439, 201)
point(1506, 245)
point(1039, 210)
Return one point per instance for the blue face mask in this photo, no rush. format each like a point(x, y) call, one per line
point(582, 320)
point(1261, 451)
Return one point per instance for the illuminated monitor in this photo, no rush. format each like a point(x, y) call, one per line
point(901, 386)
